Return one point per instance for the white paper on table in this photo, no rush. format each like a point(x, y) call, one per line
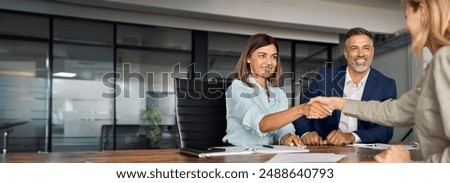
point(381, 146)
point(242, 150)
point(306, 158)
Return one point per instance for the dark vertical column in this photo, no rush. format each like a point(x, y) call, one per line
point(115, 84)
point(199, 54)
point(50, 87)
point(329, 56)
point(293, 55)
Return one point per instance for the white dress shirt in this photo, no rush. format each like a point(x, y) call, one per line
point(355, 92)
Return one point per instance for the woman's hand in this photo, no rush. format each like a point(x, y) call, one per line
point(334, 103)
point(292, 140)
point(316, 110)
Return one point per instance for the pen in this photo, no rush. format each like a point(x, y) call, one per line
point(268, 146)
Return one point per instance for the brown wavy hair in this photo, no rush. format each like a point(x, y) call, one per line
point(243, 70)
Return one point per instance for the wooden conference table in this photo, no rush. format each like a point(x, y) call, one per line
point(354, 155)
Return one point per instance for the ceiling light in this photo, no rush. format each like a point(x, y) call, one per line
point(65, 74)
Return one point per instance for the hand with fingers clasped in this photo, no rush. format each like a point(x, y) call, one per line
point(291, 139)
point(394, 154)
point(333, 103)
point(316, 110)
point(312, 138)
point(339, 138)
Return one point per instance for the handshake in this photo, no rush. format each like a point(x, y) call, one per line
point(321, 107)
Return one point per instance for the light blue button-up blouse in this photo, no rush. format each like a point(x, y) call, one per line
point(246, 107)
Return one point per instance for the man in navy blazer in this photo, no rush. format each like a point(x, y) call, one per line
point(356, 80)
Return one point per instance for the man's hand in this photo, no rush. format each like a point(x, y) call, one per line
point(333, 103)
point(339, 138)
point(316, 110)
point(312, 138)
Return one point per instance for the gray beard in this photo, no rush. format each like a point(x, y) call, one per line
point(361, 68)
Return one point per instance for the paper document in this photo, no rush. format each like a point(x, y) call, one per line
point(279, 149)
point(381, 146)
point(306, 158)
point(240, 150)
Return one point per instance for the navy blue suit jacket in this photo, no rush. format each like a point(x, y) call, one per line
point(330, 82)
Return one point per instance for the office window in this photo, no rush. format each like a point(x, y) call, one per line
point(23, 93)
point(288, 74)
point(23, 80)
point(81, 31)
point(223, 54)
point(79, 75)
point(147, 61)
point(309, 60)
point(24, 25)
point(154, 37)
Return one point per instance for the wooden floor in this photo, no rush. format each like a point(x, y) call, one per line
point(354, 155)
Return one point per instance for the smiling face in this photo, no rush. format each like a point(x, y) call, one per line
point(263, 61)
point(359, 53)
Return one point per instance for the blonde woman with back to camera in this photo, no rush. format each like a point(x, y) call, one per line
point(427, 104)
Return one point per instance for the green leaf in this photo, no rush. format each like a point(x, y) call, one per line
point(154, 117)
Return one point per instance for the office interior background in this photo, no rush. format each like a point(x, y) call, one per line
point(57, 58)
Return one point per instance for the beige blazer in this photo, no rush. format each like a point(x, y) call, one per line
point(427, 106)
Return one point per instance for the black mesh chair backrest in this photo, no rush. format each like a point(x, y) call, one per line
point(127, 137)
point(201, 113)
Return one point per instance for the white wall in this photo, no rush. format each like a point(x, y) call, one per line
point(332, 15)
point(401, 65)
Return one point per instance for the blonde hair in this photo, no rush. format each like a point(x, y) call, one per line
point(435, 33)
point(243, 70)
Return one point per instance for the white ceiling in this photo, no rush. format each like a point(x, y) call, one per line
point(386, 4)
point(382, 16)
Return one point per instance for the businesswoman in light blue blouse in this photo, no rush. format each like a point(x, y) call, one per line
point(258, 111)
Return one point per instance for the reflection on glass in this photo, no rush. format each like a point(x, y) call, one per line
point(146, 81)
point(87, 32)
point(309, 59)
point(147, 61)
point(288, 74)
point(223, 54)
point(24, 25)
point(23, 93)
point(155, 37)
point(79, 110)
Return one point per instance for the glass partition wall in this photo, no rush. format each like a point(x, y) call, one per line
point(24, 81)
point(88, 85)
point(309, 59)
point(148, 58)
point(82, 54)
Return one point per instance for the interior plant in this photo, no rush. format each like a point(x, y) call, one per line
point(153, 116)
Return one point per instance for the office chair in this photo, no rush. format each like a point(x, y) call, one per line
point(127, 137)
point(200, 112)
